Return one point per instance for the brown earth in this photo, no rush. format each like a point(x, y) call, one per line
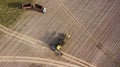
point(93, 24)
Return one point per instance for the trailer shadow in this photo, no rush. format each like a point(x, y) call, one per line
point(16, 5)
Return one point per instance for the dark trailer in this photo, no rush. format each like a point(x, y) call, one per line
point(26, 6)
point(39, 8)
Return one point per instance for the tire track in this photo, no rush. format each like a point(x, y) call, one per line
point(78, 23)
point(84, 63)
point(35, 60)
point(22, 37)
point(80, 26)
point(37, 42)
point(74, 18)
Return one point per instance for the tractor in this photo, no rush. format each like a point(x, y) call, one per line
point(61, 42)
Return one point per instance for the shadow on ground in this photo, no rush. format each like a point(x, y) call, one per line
point(16, 5)
point(51, 38)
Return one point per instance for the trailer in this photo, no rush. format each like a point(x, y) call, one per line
point(39, 8)
point(26, 6)
point(35, 6)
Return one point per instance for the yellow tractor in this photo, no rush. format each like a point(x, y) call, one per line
point(61, 42)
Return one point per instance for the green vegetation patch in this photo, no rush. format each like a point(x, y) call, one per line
point(10, 11)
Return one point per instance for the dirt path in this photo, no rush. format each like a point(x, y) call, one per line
point(74, 59)
point(21, 36)
point(35, 60)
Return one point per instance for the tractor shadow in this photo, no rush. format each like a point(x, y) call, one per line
point(16, 5)
point(51, 38)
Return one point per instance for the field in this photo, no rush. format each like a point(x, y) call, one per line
point(10, 11)
point(93, 24)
